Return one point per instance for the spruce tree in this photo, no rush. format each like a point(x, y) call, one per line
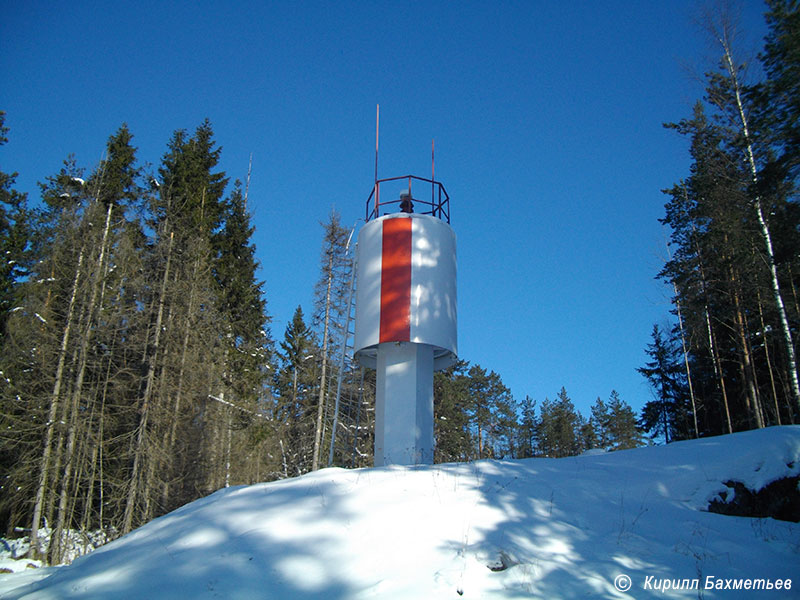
point(296, 385)
point(181, 444)
point(76, 292)
point(247, 342)
point(13, 236)
point(39, 347)
point(241, 302)
point(136, 365)
point(111, 187)
point(665, 415)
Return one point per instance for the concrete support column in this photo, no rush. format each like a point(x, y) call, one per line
point(404, 424)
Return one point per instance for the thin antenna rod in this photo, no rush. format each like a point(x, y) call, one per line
point(377, 123)
point(433, 178)
point(432, 169)
point(377, 188)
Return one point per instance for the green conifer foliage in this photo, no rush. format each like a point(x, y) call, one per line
point(454, 440)
point(734, 239)
point(665, 415)
point(13, 236)
point(615, 424)
point(242, 301)
point(527, 444)
point(778, 97)
point(137, 364)
point(296, 396)
point(560, 427)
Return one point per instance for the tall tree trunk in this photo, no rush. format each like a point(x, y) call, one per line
point(41, 488)
point(181, 376)
point(685, 352)
point(769, 361)
point(794, 290)
point(141, 435)
point(764, 228)
point(718, 370)
point(96, 474)
point(228, 440)
point(323, 376)
point(745, 362)
point(99, 271)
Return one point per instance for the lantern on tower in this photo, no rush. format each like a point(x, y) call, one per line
point(406, 312)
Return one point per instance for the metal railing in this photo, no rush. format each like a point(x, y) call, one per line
point(438, 205)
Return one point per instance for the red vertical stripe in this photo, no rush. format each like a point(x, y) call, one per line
point(396, 280)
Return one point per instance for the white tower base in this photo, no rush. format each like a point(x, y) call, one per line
point(404, 424)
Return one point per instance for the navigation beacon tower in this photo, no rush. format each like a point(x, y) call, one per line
point(406, 311)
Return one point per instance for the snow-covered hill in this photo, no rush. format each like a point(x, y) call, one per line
point(578, 527)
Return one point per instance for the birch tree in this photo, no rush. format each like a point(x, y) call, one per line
point(726, 91)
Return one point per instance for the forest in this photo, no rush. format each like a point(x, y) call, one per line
point(729, 361)
point(138, 370)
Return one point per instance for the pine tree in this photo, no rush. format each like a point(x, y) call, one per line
point(506, 422)
point(720, 286)
point(621, 429)
point(492, 416)
point(480, 408)
point(778, 97)
point(735, 237)
point(527, 442)
point(777, 118)
point(600, 420)
point(587, 434)
point(727, 92)
point(450, 419)
point(560, 427)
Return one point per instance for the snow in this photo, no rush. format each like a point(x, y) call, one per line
point(75, 543)
point(546, 528)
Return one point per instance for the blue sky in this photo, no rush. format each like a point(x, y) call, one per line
point(547, 119)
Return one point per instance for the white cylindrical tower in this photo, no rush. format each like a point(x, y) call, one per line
point(406, 321)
